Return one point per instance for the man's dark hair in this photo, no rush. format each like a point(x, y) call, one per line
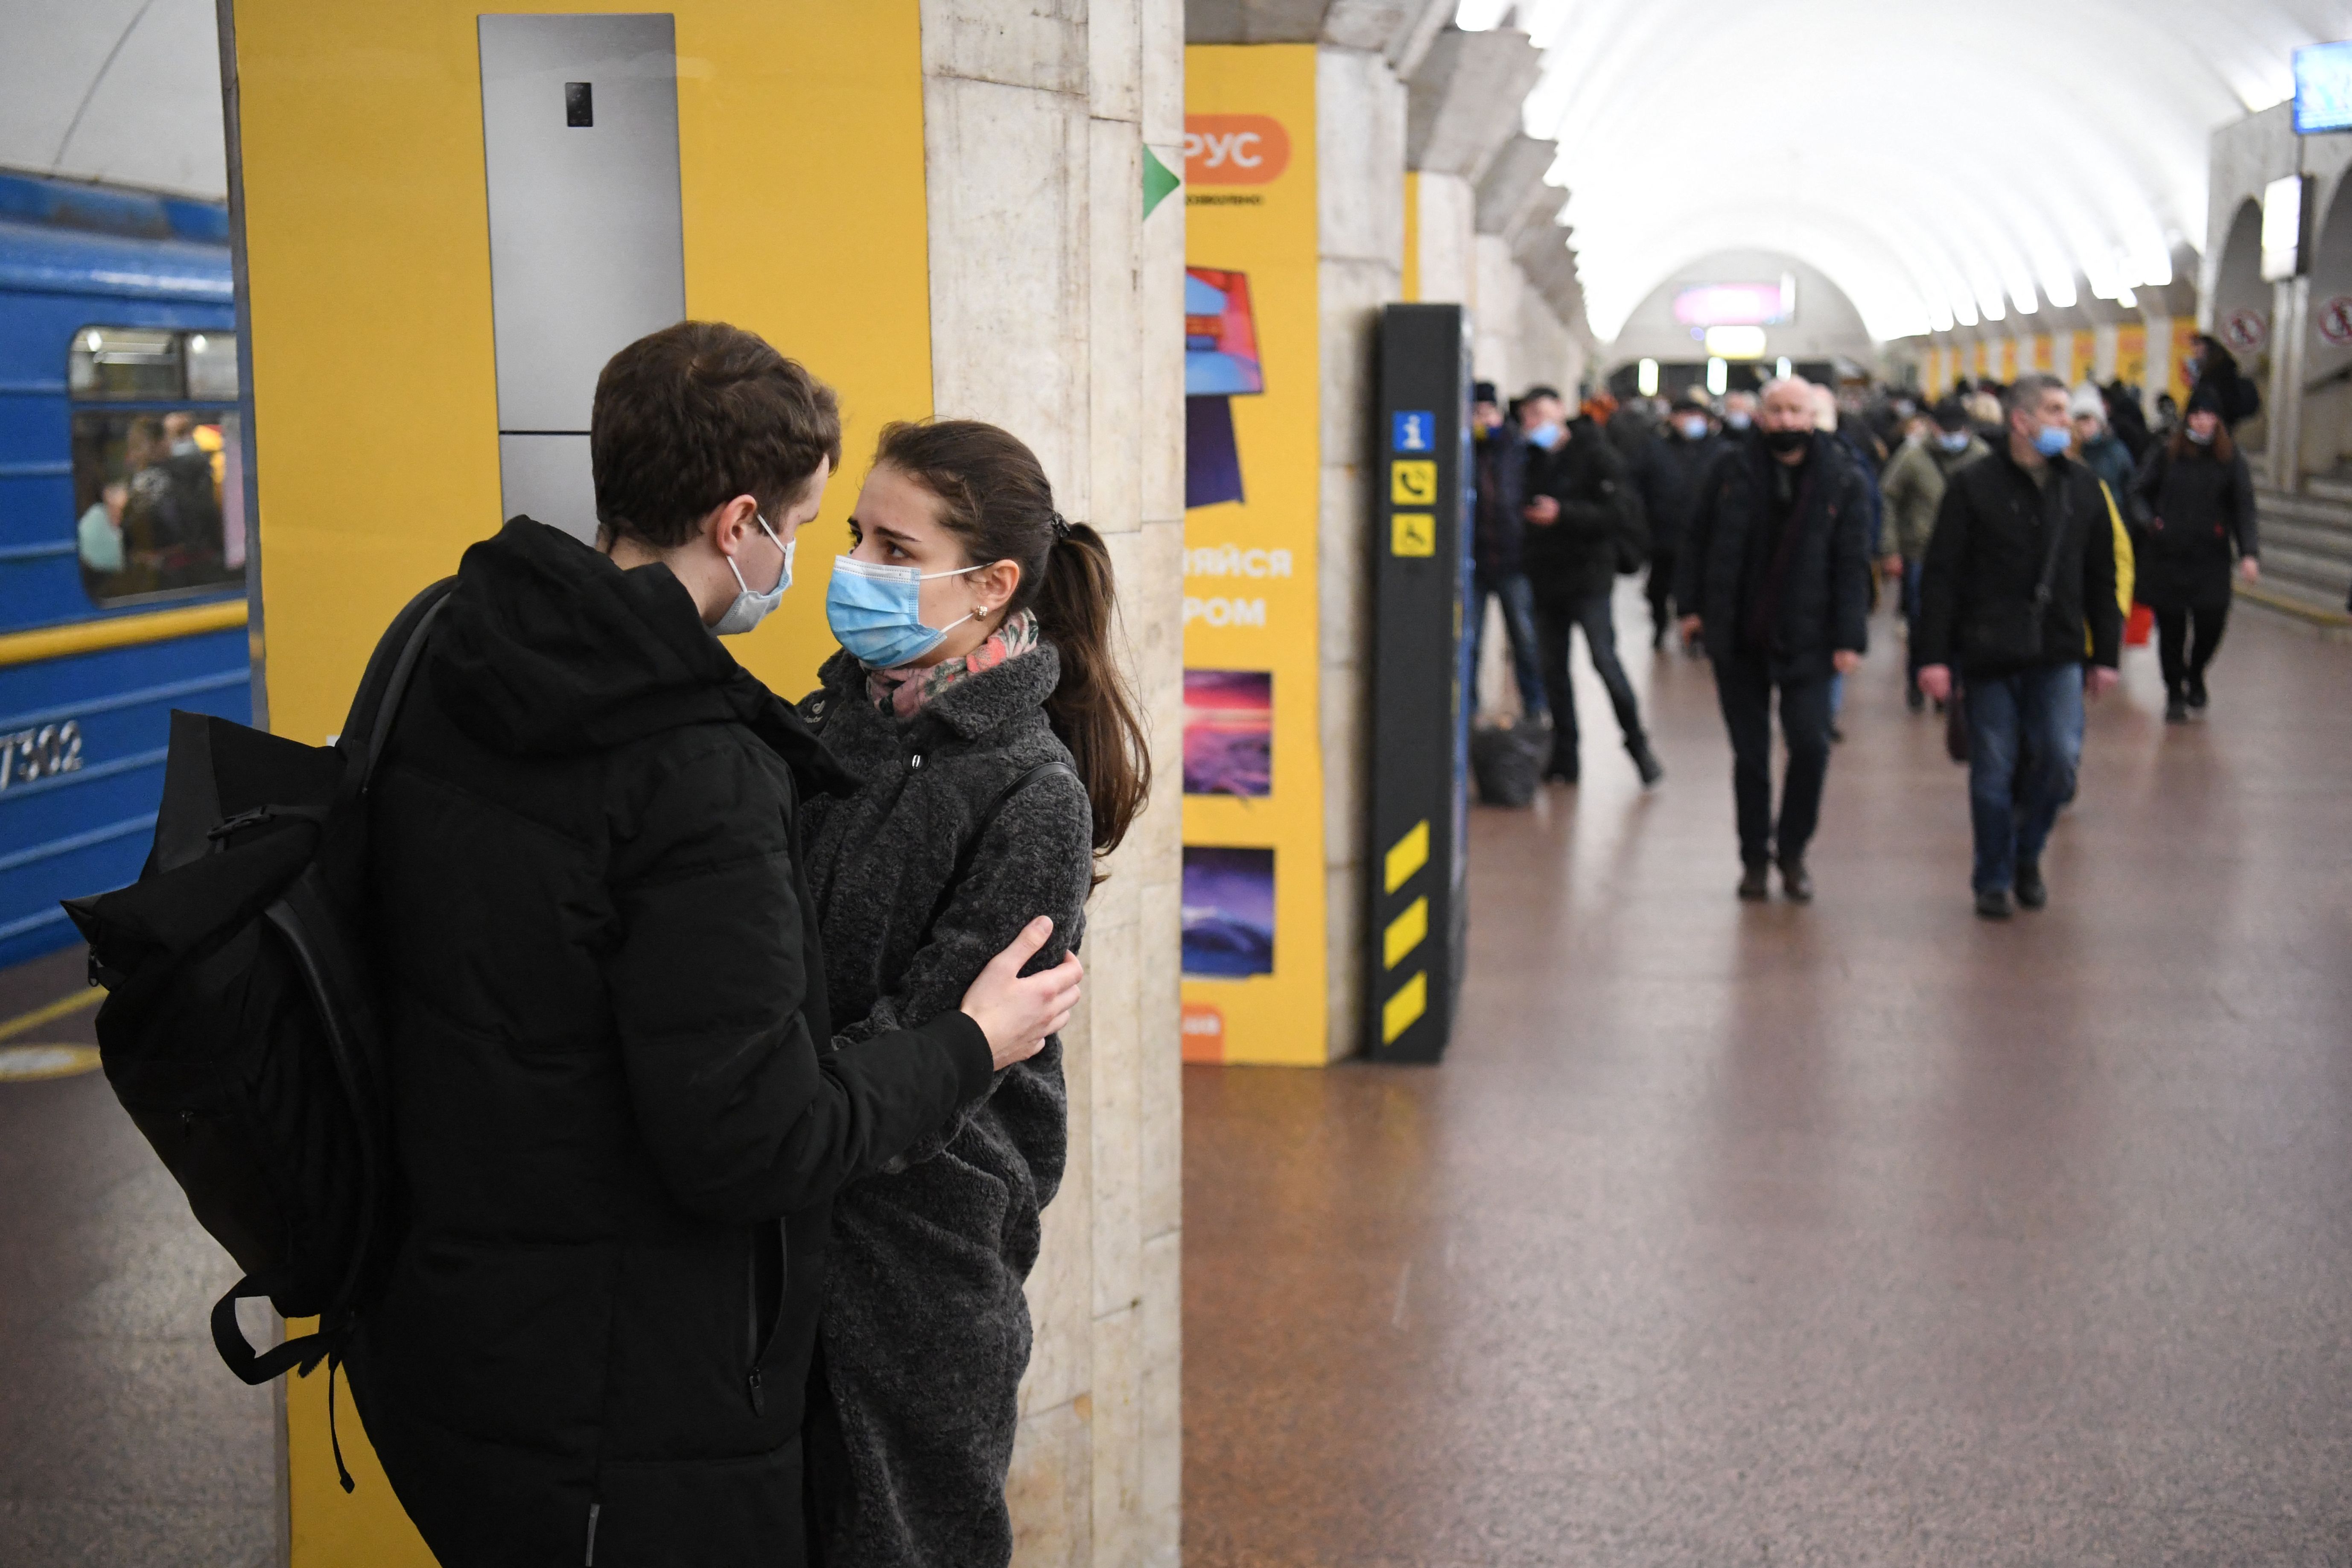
point(2027, 392)
point(1532, 393)
point(691, 416)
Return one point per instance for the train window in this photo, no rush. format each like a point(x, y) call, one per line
point(157, 503)
point(212, 366)
point(122, 364)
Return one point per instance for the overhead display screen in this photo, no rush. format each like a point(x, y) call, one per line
point(2323, 88)
point(1737, 304)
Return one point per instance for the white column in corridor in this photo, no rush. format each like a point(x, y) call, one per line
point(1057, 311)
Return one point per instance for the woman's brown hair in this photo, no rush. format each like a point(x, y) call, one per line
point(994, 497)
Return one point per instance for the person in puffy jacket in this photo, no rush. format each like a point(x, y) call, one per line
point(995, 757)
point(1914, 486)
point(2197, 525)
point(620, 1122)
point(1498, 533)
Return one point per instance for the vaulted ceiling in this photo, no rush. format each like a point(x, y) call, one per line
point(1942, 162)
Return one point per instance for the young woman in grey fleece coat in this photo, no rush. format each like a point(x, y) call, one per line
point(955, 839)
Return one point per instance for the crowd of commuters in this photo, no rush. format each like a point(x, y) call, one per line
point(2014, 528)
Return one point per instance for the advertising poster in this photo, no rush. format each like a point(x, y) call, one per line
point(2131, 355)
point(1253, 964)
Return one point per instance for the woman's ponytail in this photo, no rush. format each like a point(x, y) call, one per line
point(994, 496)
point(1092, 709)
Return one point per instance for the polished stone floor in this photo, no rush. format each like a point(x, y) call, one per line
point(1857, 1234)
point(122, 1439)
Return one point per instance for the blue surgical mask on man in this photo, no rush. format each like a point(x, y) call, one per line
point(2052, 439)
point(1952, 440)
point(1545, 436)
point(748, 609)
point(877, 612)
point(1738, 420)
point(1692, 426)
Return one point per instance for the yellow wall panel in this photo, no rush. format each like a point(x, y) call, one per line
point(801, 155)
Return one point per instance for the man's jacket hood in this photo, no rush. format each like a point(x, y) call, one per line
point(547, 648)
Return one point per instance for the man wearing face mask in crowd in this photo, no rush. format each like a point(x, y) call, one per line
point(1668, 478)
point(1941, 444)
point(621, 1124)
point(1776, 575)
point(1499, 533)
point(2022, 567)
point(1738, 417)
point(1578, 499)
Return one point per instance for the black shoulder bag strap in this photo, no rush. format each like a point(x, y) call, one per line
point(970, 850)
point(2058, 531)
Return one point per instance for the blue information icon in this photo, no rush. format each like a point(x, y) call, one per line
point(1416, 431)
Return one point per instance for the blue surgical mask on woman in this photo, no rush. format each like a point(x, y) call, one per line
point(2052, 439)
point(877, 612)
point(749, 608)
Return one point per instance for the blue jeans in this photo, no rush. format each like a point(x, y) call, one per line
point(2035, 717)
point(1518, 625)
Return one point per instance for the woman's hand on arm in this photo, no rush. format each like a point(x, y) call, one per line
point(1016, 1012)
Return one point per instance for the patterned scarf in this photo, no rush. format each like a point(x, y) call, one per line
point(905, 689)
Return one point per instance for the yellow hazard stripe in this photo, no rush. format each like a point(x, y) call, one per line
point(1405, 932)
point(1408, 855)
point(120, 631)
point(1400, 1011)
point(51, 1013)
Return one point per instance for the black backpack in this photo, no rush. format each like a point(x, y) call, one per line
point(240, 1026)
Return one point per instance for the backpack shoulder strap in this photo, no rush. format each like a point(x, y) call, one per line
point(386, 683)
point(970, 848)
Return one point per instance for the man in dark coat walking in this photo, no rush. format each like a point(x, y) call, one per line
point(1580, 505)
point(619, 1120)
point(1667, 477)
point(1776, 576)
point(2021, 581)
point(1499, 459)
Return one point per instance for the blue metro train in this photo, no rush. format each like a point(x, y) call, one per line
point(122, 537)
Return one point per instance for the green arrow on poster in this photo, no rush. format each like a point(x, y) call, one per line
point(1158, 181)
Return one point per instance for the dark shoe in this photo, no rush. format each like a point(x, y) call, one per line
point(2175, 710)
point(1940, 705)
point(2033, 892)
point(1795, 880)
point(2196, 694)
point(1916, 700)
point(1657, 639)
point(1755, 882)
point(1837, 736)
point(1563, 765)
point(1646, 761)
point(1992, 904)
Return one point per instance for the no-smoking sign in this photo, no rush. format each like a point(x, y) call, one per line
point(2336, 321)
point(2244, 330)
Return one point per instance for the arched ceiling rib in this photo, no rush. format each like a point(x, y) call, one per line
point(1942, 163)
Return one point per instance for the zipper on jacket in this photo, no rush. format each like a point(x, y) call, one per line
point(593, 1510)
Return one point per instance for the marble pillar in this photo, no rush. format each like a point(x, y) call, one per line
point(1057, 311)
point(1359, 134)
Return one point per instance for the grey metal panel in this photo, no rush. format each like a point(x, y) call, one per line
point(548, 478)
point(587, 249)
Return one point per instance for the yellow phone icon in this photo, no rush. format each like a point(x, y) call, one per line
point(1412, 481)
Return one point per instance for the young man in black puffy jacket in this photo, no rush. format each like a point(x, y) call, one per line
point(618, 1119)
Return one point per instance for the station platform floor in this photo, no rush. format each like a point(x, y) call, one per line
point(1861, 1233)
